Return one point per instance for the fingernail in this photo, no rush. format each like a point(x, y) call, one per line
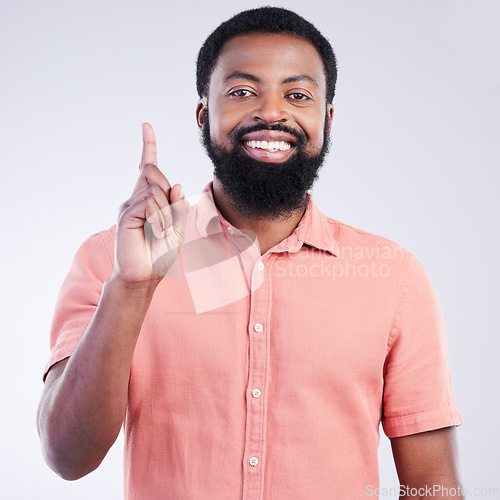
point(170, 230)
point(181, 193)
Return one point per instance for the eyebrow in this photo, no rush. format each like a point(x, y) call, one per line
point(256, 79)
point(300, 78)
point(243, 76)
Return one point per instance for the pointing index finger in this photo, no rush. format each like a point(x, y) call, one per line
point(150, 175)
point(148, 146)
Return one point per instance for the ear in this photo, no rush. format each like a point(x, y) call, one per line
point(201, 113)
point(329, 112)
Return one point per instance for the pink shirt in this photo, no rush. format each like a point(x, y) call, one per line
point(268, 376)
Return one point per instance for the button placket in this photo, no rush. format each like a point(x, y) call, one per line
point(256, 401)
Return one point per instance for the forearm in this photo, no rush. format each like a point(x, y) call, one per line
point(427, 464)
point(81, 414)
point(435, 486)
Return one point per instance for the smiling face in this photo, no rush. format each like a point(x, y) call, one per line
point(266, 119)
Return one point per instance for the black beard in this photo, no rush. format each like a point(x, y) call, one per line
point(261, 190)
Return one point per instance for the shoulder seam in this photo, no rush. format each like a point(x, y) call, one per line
point(407, 274)
point(101, 237)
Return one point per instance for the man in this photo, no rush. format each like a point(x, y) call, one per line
point(250, 345)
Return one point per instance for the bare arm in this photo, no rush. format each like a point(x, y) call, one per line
point(85, 396)
point(427, 464)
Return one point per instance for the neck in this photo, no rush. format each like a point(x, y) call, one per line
point(269, 232)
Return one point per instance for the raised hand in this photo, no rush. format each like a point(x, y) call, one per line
point(152, 222)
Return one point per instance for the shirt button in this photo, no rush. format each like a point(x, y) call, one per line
point(230, 230)
point(258, 327)
point(256, 393)
point(260, 266)
point(254, 461)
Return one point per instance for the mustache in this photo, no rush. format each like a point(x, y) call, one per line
point(237, 134)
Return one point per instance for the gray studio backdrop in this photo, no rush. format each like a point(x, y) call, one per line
point(415, 158)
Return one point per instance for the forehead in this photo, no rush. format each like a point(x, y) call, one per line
point(269, 56)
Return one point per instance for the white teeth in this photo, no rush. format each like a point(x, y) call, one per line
point(269, 145)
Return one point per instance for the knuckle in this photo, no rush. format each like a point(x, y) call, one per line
point(125, 206)
point(122, 213)
point(155, 190)
point(165, 185)
point(149, 200)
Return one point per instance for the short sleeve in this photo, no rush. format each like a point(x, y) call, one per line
point(80, 294)
point(418, 392)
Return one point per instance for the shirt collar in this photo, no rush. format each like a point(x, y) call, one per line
point(313, 229)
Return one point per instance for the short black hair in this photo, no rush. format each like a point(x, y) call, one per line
point(272, 20)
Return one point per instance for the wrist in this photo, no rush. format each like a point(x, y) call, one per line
point(137, 289)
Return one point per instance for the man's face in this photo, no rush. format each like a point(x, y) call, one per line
point(266, 122)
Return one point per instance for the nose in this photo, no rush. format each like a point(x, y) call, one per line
point(270, 109)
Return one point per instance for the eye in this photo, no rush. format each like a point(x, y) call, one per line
point(298, 96)
point(240, 93)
